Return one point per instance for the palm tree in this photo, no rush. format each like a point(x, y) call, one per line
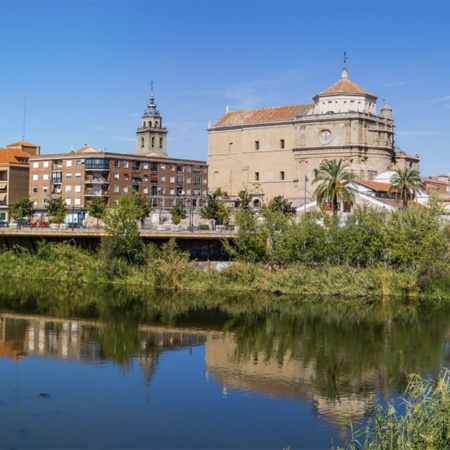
point(334, 181)
point(406, 183)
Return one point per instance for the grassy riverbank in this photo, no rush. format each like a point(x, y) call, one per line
point(170, 269)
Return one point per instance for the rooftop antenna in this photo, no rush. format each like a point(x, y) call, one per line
point(24, 113)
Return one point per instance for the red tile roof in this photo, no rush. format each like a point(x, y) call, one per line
point(345, 86)
point(21, 144)
point(263, 115)
point(10, 155)
point(375, 185)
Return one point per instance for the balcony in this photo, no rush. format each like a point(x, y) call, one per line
point(96, 193)
point(96, 180)
point(97, 164)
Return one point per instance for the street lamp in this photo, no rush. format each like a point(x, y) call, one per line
point(306, 179)
point(73, 218)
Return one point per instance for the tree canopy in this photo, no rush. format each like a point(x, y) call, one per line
point(333, 187)
point(21, 208)
point(406, 183)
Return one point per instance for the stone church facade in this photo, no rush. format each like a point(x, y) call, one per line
point(277, 151)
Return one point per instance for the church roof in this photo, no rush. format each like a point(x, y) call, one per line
point(345, 86)
point(375, 185)
point(263, 115)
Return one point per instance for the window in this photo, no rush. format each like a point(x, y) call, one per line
point(172, 191)
point(125, 189)
point(68, 176)
point(160, 143)
point(145, 166)
point(69, 188)
point(125, 177)
point(204, 181)
point(45, 189)
point(171, 202)
point(35, 190)
point(188, 192)
point(116, 163)
point(188, 169)
point(79, 162)
point(256, 176)
point(172, 168)
point(172, 180)
point(116, 176)
point(281, 143)
point(77, 188)
point(204, 193)
point(45, 176)
point(125, 164)
point(153, 141)
point(162, 166)
point(163, 179)
point(78, 176)
point(116, 189)
point(145, 190)
point(69, 163)
point(45, 164)
point(145, 178)
point(204, 169)
point(282, 175)
point(35, 165)
point(143, 141)
point(256, 145)
point(68, 202)
point(77, 201)
point(45, 201)
point(35, 177)
point(188, 180)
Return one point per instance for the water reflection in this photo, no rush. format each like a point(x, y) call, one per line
point(332, 354)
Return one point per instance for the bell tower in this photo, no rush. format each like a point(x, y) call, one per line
point(151, 137)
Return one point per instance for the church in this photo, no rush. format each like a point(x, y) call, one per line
point(278, 150)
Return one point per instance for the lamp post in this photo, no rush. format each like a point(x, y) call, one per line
point(306, 180)
point(73, 209)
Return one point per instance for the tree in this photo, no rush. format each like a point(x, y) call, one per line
point(96, 208)
point(215, 209)
point(178, 213)
point(121, 222)
point(244, 199)
point(21, 208)
point(279, 203)
point(406, 183)
point(333, 188)
point(57, 209)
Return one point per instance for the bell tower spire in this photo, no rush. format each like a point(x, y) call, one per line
point(151, 137)
point(344, 74)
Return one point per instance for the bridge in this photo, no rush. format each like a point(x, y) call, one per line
point(89, 238)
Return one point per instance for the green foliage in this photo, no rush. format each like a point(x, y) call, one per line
point(333, 179)
point(21, 208)
point(215, 208)
point(244, 199)
point(121, 222)
point(406, 183)
point(424, 425)
point(97, 208)
point(178, 213)
point(57, 209)
point(279, 203)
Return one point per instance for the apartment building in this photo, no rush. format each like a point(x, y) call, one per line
point(14, 174)
point(80, 175)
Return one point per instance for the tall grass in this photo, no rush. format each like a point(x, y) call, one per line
point(425, 424)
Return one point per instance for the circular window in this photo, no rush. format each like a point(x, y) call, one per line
point(325, 136)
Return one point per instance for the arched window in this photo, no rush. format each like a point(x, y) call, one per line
point(156, 124)
point(149, 123)
point(153, 141)
point(160, 143)
point(142, 142)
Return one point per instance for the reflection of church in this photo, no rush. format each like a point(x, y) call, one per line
point(277, 151)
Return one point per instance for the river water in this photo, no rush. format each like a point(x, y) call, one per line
point(120, 369)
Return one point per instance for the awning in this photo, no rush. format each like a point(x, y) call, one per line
point(2, 197)
point(2, 185)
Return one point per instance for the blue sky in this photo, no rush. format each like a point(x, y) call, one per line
point(87, 67)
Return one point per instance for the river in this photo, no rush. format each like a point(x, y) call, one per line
point(120, 369)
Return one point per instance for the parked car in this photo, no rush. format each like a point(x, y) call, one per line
point(4, 223)
point(39, 224)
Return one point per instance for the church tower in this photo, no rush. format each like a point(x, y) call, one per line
point(151, 138)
